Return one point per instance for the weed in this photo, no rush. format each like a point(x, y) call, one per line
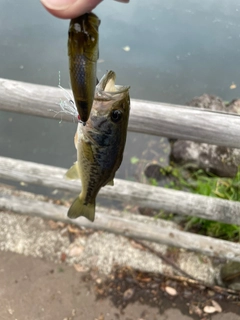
point(206, 184)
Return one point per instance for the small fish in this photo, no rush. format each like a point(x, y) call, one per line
point(100, 144)
point(83, 54)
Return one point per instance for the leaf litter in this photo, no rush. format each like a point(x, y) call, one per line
point(126, 285)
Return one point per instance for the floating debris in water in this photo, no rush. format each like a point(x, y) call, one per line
point(126, 48)
point(233, 86)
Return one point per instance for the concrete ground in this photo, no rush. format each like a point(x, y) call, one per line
point(32, 288)
point(52, 270)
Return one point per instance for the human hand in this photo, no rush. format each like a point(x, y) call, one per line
point(68, 9)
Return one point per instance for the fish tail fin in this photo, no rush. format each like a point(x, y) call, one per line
point(78, 208)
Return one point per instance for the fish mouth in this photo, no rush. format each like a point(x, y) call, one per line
point(106, 88)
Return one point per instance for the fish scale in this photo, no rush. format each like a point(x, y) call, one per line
point(78, 72)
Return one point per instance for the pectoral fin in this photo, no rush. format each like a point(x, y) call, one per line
point(73, 173)
point(110, 183)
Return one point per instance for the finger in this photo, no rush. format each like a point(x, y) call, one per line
point(68, 9)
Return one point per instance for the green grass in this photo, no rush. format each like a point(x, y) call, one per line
point(205, 184)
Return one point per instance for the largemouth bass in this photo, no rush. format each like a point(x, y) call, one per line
point(100, 144)
point(83, 54)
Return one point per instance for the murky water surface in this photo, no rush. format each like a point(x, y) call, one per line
point(178, 49)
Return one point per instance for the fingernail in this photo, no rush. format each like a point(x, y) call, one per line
point(57, 4)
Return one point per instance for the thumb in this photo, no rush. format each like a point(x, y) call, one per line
point(68, 9)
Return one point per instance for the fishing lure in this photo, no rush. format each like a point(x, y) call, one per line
point(83, 54)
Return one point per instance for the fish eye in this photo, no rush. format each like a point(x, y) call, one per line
point(116, 115)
